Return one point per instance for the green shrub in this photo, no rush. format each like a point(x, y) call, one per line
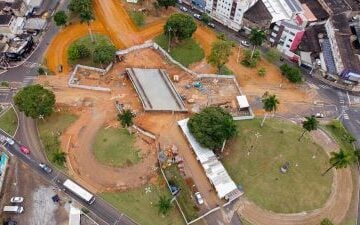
point(292, 73)
point(78, 51)
point(262, 72)
point(249, 61)
point(138, 18)
point(5, 84)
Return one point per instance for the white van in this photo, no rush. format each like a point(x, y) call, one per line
point(13, 209)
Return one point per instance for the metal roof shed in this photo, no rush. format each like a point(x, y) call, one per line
point(242, 101)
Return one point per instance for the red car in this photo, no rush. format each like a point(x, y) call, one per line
point(24, 149)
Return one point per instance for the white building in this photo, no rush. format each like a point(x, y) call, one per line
point(228, 12)
point(10, 26)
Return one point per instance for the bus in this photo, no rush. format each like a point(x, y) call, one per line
point(79, 191)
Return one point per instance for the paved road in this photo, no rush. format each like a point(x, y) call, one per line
point(103, 210)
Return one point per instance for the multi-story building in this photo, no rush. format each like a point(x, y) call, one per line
point(339, 54)
point(228, 12)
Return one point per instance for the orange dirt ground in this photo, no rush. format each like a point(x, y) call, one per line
point(114, 21)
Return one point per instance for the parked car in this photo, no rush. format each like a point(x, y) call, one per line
point(319, 115)
point(16, 199)
point(13, 209)
point(2, 138)
point(211, 25)
point(245, 43)
point(10, 141)
point(184, 9)
point(197, 16)
point(45, 167)
point(198, 198)
point(24, 150)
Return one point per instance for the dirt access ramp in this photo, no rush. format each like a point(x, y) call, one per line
point(335, 208)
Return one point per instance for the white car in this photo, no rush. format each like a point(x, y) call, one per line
point(319, 115)
point(197, 16)
point(10, 141)
point(245, 43)
point(199, 199)
point(184, 9)
point(16, 199)
point(45, 167)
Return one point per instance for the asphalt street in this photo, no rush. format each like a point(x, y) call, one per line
point(103, 210)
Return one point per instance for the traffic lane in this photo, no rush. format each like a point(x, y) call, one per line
point(28, 135)
point(353, 125)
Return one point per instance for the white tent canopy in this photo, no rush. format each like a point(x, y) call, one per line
point(214, 169)
point(242, 101)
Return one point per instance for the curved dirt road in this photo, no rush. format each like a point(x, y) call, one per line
point(87, 169)
point(57, 51)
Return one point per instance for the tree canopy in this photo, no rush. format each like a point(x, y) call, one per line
point(220, 52)
point(104, 53)
point(166, 3)
point(35, 101)
point(341, 159)
point(212, 126)
point(180, 25)
point(126, 118)
point(164, 205)
point(270, 102)
point(83, 8)
point(257, 37)
point(60, 18)
point(310, 124)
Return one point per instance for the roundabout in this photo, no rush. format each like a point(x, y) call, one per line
point(298, 194)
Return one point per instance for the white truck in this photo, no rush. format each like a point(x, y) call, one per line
point(13, 209)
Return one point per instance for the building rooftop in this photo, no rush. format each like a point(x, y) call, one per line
point(315, 7)
point(328, 56)
point(310, 41)
point(258, 13)
point(5, 19)
point(335, 6)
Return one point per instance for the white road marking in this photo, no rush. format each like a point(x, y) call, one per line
point(347, 94)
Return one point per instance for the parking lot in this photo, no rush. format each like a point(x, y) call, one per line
point(39, 208)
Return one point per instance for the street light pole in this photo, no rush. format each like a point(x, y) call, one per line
point(169, 39)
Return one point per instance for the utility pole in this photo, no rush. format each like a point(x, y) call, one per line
point(169, 39)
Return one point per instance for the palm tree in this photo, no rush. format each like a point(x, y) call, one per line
point(310, 124)
point(59, 157)
point(270, 103)
point(86, 16)
point(164, 204)
point(126, 118)
point(257, 37)
point(339, 160)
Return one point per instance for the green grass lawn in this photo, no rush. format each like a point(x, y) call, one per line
point(50, 130)
point(138, 18)
point(185, 199)
point(115, 147)
point(140, 205)
point(302, 188)
point(186, 52)
point(86, 40)
point(9, 121)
